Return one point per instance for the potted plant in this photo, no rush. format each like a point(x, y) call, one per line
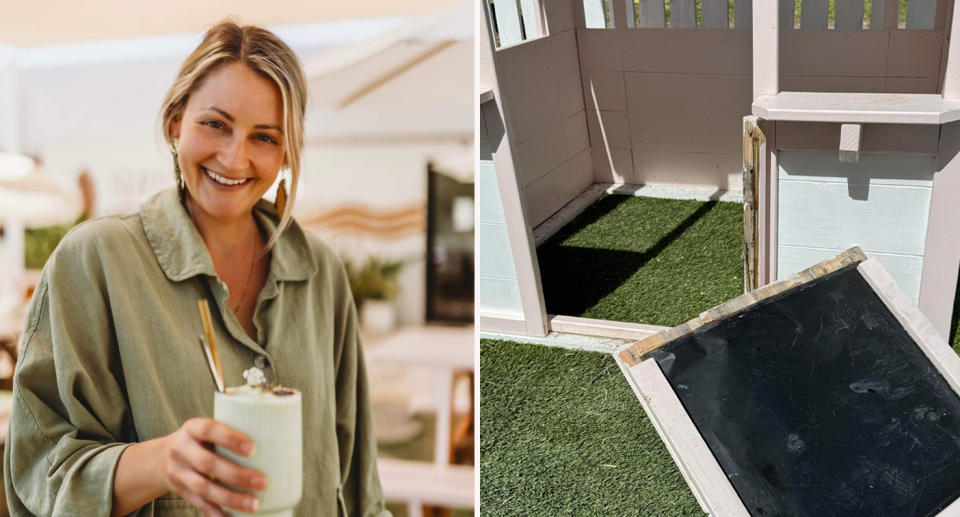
point(374, 287)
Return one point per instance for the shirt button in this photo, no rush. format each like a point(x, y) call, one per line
point(261, 362)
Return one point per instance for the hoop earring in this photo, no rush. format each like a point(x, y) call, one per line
point(281, 202)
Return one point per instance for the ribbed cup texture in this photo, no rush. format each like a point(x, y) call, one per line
point(275, 426)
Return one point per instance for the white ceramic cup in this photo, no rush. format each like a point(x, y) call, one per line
point(274, 424)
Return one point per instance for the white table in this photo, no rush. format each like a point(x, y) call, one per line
point(445, 350)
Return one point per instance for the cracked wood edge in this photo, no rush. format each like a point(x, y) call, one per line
point(634, 353)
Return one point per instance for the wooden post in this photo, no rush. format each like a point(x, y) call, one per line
point(766, 44)
point(951, 76)
point(498, 127)
point(941, 253)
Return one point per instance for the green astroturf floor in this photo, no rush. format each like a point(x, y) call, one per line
point(644, 260)
point(561, 433)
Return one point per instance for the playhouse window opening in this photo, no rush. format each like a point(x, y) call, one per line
point(513, 21)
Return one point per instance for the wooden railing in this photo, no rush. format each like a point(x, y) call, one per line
point(737, 14)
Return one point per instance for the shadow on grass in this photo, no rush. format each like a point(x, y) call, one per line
point(575, 278)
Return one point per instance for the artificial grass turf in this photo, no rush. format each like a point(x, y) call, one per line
point(644, 260)
point(562, 433)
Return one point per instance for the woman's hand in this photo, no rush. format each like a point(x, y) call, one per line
point(190, 467)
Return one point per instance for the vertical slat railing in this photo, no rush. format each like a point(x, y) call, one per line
point(849, 15)
point(619, 13)
point(921, 14)
point(785, 13)
point(529, 13)
point(508, 22)
point(631, 13)
point(593, 13)
point(683, 14)
point(742, 14)
point(650, 14)
point(813, 14)
point(714, 15)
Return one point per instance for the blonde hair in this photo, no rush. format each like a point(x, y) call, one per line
point(261, 50)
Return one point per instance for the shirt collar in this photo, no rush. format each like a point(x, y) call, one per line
point(182, 254)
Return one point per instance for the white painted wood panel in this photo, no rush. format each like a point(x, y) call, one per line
point(688, 93)
point(498, 295)
point(686, 132)
point(883, 218)
point(813, 14)
point(824, 215)
point(593, 13)
point(742, 14)
point(683, 14)
point(600, 50)
point(650, 13)
point(725, 171)
point(534, 110)
point(604, 91)
point(839, 53)
point(569, 94)
point(548, 194)
point(921, 14)
point(508, 22)
point(609, 129)
point(914, 53)
point(539, 154)
point(833, 84)
point(575, 135)
point(522, 67)
point(874, 168)
point(849, 14)
point(489, 206)
point(906, 269)
point(558, 15)
point(888, 138)
point(714, 14)
point(612, 165)
point(497, 287)
point(493, 257)
point(706, 51)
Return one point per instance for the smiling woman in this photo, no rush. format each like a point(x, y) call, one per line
point(112, 398)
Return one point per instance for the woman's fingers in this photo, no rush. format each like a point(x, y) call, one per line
point(210, 430)
point(217, 467)
point(207, 509)
point(208, 495)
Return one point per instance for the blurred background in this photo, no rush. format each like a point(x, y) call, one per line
point(387, 180)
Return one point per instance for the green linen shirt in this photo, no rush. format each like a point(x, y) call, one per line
point(110, 356)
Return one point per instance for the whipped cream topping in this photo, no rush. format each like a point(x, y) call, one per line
point(257, 385)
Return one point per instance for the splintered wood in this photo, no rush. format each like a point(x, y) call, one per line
point(636, 352)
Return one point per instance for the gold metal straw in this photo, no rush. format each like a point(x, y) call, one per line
point(207, 322)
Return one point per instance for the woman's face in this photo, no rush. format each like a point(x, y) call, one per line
point(230, 141)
